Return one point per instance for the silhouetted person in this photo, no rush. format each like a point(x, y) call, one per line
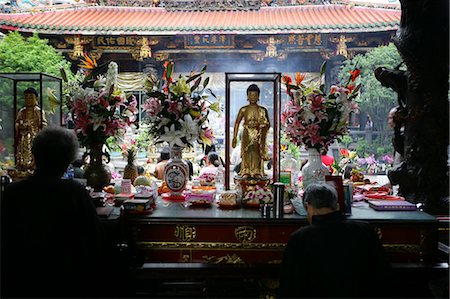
point(333, 257)
point(51, 240)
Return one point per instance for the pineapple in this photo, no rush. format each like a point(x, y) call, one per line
point(130, 171)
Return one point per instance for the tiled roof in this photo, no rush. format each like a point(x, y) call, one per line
point(158, 21)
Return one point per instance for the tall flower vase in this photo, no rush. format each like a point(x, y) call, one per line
point(314, 171)
point(176, 173)
point(97, 173)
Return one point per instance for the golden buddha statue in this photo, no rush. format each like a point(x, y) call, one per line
point(28, 124)
point(253, 142)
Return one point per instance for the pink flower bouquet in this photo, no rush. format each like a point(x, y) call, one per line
point(177, 111)
point(100, 110)
point(314, 118)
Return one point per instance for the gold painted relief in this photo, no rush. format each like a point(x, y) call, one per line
point(227, 259)
point(210, 246)
point(378, 232)
point(408, 248)
point(185, 233)
point(245, 234)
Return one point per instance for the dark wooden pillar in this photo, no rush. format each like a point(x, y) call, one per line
point(423, 43)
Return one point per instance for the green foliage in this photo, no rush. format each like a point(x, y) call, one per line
point(363, 149)
point(113, 144)
point(290, 147)
point(143, 139)
point(346, 140)
point(28, 55)
point(375, 99)
point(19, 54)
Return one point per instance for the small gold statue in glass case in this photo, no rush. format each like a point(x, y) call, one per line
point(29, 102)
point(254, 133)
point(28, 123)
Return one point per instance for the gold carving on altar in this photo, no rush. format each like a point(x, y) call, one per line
point(185, 233)
point(408, 248)
point(378, 232)
point(245, 234)
point(227, 259)
point(186, 258)
point(210, 245)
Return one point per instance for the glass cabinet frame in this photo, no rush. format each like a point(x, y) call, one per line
point(254, 78)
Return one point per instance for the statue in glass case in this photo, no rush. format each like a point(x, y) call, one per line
point(28, 124)
point(253, 143)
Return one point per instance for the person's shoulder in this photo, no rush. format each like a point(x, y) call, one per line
point(360, 225)
point(73, 185)
point(17, 186)
point(303, 232)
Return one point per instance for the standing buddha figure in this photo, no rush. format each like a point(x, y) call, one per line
point(254, 133)
point(28, 124)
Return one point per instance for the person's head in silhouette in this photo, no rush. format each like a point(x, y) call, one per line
point(320, 199)
point(54, 148)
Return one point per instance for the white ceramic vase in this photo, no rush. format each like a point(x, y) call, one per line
point(176, 171)
point(314, 171)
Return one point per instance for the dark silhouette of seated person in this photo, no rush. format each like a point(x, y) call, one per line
point(333, 257)
point(51, 239)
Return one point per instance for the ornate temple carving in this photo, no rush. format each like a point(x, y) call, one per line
point(78, 43)
point(341, 47)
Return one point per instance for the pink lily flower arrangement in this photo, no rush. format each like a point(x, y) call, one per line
point(177, 110)
point(314, 118)
point(100, 110)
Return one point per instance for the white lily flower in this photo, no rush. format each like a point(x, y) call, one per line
point(98, 122)
point(189, 127)
point(172, 136)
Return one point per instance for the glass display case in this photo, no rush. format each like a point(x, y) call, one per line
point(260, 128)
point(46, 109)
